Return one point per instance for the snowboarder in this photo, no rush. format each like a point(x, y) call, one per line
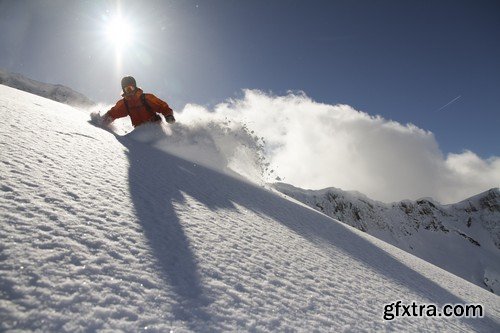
point(141, 107)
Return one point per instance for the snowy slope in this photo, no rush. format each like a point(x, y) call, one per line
point(54, 92)
point(462, 238)
point(106, 232)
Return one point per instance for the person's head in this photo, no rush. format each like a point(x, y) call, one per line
point(128, 84)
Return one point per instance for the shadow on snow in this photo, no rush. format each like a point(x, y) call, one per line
point(158, 180)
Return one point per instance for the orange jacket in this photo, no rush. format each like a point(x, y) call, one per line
point(137, 111)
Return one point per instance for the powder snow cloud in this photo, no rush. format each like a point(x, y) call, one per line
point(314, 145)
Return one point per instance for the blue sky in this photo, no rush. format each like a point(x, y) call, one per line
point(403, 60)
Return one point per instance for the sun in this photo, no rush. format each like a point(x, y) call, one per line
point(120, 32)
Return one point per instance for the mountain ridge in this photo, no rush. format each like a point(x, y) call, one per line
point(55, 92)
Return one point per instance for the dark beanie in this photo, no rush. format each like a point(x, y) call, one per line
point(128, 81)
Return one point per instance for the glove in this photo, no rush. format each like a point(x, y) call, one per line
point(98, 120)
point(106, 120)
point(170, 119)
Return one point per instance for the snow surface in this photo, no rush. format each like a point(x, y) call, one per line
point(105, 232)
point(462, 238)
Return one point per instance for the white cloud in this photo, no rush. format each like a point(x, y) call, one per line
point(314, 145)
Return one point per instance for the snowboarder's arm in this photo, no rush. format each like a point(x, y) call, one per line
point(117, 111)
point(159, 106)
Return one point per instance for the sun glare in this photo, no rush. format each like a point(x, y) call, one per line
point(119, 32)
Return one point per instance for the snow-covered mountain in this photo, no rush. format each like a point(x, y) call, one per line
point(462, 238)
point(106, 232)
point(56, 92)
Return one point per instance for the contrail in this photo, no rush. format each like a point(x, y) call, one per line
point(452, 101)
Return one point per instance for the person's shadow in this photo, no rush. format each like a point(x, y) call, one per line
point(154, 189)
point(158, 180)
